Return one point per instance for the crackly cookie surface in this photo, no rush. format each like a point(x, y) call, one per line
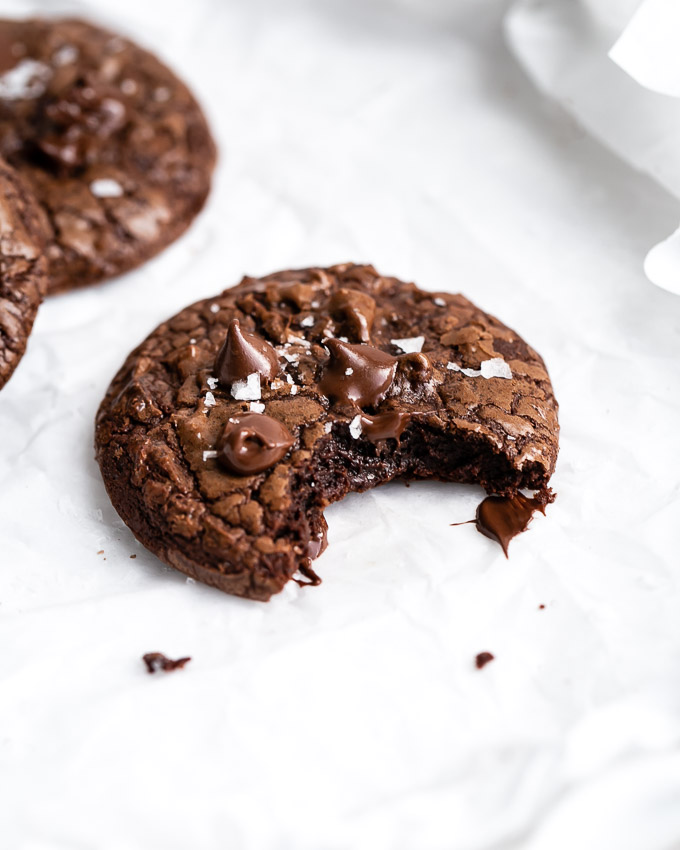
point(23, 267)
point(232, 426)
point(113, 145)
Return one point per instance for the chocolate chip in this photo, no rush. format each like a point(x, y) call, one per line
point(243, 354)
point(358, 374)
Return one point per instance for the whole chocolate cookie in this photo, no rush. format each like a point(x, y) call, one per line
point(231, 428)
point(23, 267)
point(113, 145)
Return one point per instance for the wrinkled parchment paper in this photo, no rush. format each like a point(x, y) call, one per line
point(352, 715)
point(614, 65)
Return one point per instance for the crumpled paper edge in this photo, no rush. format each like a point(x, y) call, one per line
point(528, 24)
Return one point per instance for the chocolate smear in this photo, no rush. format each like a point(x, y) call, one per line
point(157, 661)
point(242, 354)
point(503, 517)
point(252, 443)
point(306, 571)
point(358, 374)
point(384, 426)
point(483, 659)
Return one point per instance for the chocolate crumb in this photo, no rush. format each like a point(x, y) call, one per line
point(133, 556)
point(541, 607)
point(483, 659)
point(157, 661)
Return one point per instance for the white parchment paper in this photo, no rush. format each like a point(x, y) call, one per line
point(352, 715)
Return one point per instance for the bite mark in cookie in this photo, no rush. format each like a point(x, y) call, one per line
point(234, 496)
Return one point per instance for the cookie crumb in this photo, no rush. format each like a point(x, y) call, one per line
point(157, 661)
point(541, 607)
point(100, 552)
point(483, 659)
point(133, 556)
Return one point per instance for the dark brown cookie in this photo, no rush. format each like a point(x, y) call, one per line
point(23, 267)
point(114, 146)
point(231, 428)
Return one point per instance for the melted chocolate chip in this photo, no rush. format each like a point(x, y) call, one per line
point(355, 310)
point(313, 549)
point(157, 661)
point(384, 426)
point(317, 545)
point(242, 354)
point(358, 374)
point(483, 659)
point(502, 518)
point(305, 570)
point(252, 443)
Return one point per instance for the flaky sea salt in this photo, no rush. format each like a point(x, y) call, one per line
point(26, 80)
point(294, 389)
point(65, 55)
point(349, 371)
point(471, 373)
point(248, 390)
point(355, 427)
point(128, 86)
point(209, 454)
point(410, 345)
point(256, 407)
point(495, 368)
point(106, 188)
point(209, 400)
point(439, 302)
point(212, 382)
point(307, 322)
point(214, 308)
point(328, 427)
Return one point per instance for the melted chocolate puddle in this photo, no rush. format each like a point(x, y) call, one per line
point(501, 518)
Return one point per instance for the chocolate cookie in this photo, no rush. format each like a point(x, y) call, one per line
point(231, 428)
point(113, 145)
point(23, 267)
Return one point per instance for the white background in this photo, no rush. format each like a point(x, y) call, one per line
point(351, 715)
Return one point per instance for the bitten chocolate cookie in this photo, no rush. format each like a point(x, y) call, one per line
point(23, 267)
point(113, 145)
point(231, 428)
